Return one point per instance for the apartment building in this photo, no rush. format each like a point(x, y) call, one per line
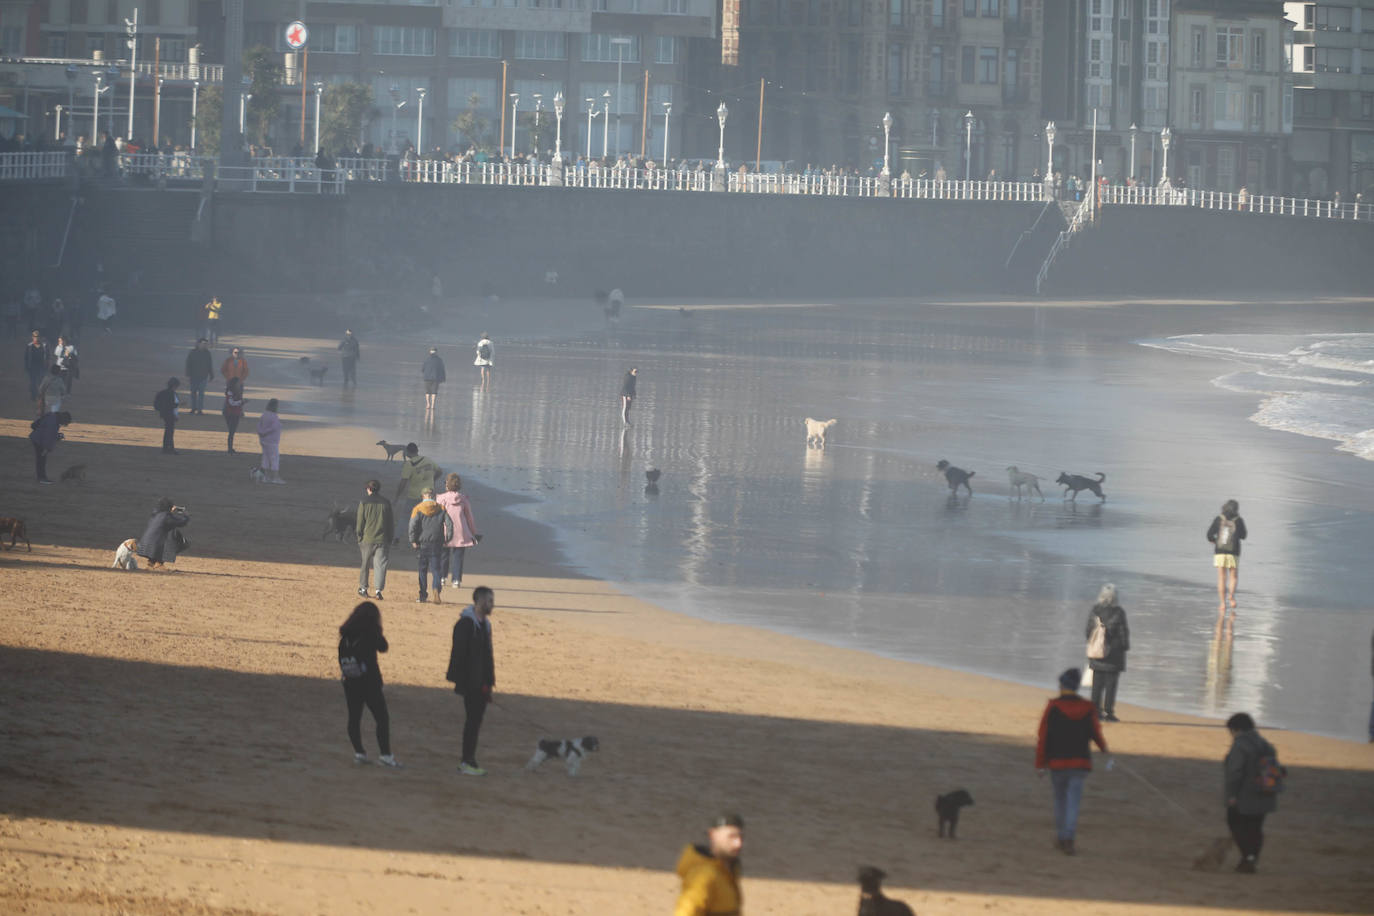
point(1332, 61)
point(833, 68)
point(1231, 95)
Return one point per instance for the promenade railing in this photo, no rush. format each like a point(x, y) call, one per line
point(1238, 201)
point(35, 166)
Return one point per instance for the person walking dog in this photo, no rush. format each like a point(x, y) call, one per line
point(1067, 727)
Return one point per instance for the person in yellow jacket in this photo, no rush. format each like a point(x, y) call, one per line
point(710, 874)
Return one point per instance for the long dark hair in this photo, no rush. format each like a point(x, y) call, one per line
point(366, 620)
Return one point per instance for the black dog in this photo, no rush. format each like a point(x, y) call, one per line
point(957, 477)
point(872, 902)
point(947, 807)
point(341, 522)
point(1072, 483)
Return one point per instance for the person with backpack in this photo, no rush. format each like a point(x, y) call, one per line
point(360, 639)
point(1226, 532)
point(45, 433)
point(484, 360)
point(1253, 780)
point(1109, 639)
point(166, 403)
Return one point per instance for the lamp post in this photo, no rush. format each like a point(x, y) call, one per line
point(112, 75)
point(558, 126)
point(420, 122)
point(620, 42)
point(95, 108)
point(667, 110)
point(591, 113)
point(319, 90)
point(885, 178)
point(131, 27)
point(1133, 130)
point(720, 181)
point(968, 143)
point(1049, 165)
point(57, 130)
point(244, 99)
point(514, 108)
point(195, 99)
point(605, 123)
point(1165, 136)
point(538, 107)
point(157, 109)
point(396, 104)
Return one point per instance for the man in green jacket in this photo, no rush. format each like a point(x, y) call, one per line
point(374, 526)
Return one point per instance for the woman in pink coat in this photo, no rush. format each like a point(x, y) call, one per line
point(464, 530)
point(269, 435)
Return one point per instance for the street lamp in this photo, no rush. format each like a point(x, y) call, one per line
point(721, 114)
point(244, 99)
point(319, 90)
point(591, 113)
point(157, 109)
point(968, 143)
point(538, 107)
point(131, 27)
point(420, 122)
point(620, 42)
point(1165, 136)
point(1049, 166)
point(57, 130)
point(195, 99)
point(396, 104)
point(887, 135)
point(514, 108)
point(558, 127)
point(606, 123)
point(667, 110)
point(95, 107)
point(112, 75)
point(1132, 129)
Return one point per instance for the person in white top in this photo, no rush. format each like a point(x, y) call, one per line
point(64, 358)
point(486, 358)
point(105, 310)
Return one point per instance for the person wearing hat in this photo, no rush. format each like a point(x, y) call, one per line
point(710, 873)
point(433, 373)
point(1068, 725)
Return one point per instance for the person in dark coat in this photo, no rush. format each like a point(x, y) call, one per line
point(627, 394)
point(1246, 802)
point(199, 371)
point(153, 544)
point(35, 362)
point(1107, 669)
point(472, 671)
point(46, 433)
point(433, 373)
point(349, 352)
point(360, 639)
point(166, 404)
point(1226, 532)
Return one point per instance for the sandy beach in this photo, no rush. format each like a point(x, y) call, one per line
point(174, 742)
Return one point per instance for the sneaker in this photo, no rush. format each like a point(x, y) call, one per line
point(360, 759)
point(1110, 717)
point(471, 769)
point(423, 599)
point(1067, 847)
point(387, 760)
point(378, 596)
point(1246, 866)
point(362, 593)
point(45, 482)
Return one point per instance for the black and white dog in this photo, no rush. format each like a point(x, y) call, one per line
point(571, 752)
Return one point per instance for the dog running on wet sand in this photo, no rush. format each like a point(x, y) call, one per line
point(956, 477)
point(1072, 483)
point(1019, 478)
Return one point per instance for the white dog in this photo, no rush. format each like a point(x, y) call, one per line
point(816, 430)
point(257, 475)
point(571, 752)
point(126, 556)
point(1021, 479)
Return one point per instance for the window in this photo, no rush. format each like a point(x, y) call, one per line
point(1228, 108)
point(851, 67)
point(541, 46)
point(970, 7)
point(1095, 96)
point(1152, 68)
point(474, 43)
point(1257, 51)
point(57, 45)
point(79, 14)
point(966, 63)
point(675, 7)
point(415, 41)
point(597, 48)
point(173, 50)
point(1095, 23)
point(332, 38)
point(629, 97)
point(12, 41)
point(937, 14)
point(665, 49)
point(599, 6)
point(896, 61)
point(1014, 10)
point(152, 12)
point(1230, 47)
point(937, 70)
point(1333, 18)
point(856, 11)
point(1095, 57)
point(1199, 47)
point(1152, 98)
point(992, 9)
point(1367, 106)
point(895, 13)
point(1011, 75)
point(461, 92)
point(1309, 58)
point(1256, 119)
point(1195, 111)
point(1334, 60)
point(987, 65)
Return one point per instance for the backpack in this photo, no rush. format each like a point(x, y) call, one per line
point(484, 351)
point(1226, 534)
point(1097, 640)
point(1270, 775)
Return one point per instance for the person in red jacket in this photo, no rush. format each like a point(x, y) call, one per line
point(1068, 725)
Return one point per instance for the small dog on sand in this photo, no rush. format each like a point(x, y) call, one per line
point(1072, 483)
point(872, 900)
point(570, 752)
point(317, 375)
point(257, 475)
point(816, 430)
point(17, 530)
point(947, 808)
point(341, 521)
point(391, 450)
point(76, 472)
point(956, 477)
point(126, 556)
point(1020, 478)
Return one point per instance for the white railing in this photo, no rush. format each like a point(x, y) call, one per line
point(206, 73)
point(285, 176)
point(178, 164)
point(31, 166)
point(1238, 202)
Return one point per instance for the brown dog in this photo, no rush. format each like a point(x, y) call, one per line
point(16, 529)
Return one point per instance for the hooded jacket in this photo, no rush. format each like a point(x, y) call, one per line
point(374, 523)
point(471, 663)
point(1118, 638)
point(430, 525)
point(1066, 728)
point(1233, 548)
point(710, 886)
point(1242, 771)
point(460, 512)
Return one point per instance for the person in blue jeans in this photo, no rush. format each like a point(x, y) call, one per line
point(199, 371)
point(430, 528)
point(1068, 726)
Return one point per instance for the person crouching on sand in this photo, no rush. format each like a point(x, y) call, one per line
point(1226, 532)
point(153, 545)
point(360, 639)
point(710, 873)
point(1066, 728)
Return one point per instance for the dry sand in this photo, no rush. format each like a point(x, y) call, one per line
point(174, 742)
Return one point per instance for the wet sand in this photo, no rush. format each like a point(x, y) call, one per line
point(175, 741)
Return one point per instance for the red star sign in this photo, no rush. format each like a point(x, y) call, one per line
point(295, 36)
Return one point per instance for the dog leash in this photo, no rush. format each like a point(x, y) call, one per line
point(523, 719)
point(1155, 789)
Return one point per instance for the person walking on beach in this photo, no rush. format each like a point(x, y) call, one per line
point(105, 310)
point(269, 438)
point(349, 351)
point(167, 404)
point(45, 433)
point(1226, 532)
point(1253, 780)
point(417, 473)
point(472, 671)
point(485, 359)
point(153, 544)
point(65, 357)
point(1109, 639)
point(433, 373)
point(199, 371)
point(429, 531)
point(1066, 728)
point(235, 366)
point(710, 873)
point(211, 314)
point(35, 362)
point(233, 409)
point(51, 391)
point(360, 639)
point(627, 393)
point(464, 529)
point(374, 526)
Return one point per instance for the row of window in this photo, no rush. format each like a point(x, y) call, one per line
point(899, 13)
point(1229, 48)
point(1329, 60)
point(419, 41)
point(669, 7)
point(172, 50)
point(1229, 109)
point(1323, 18)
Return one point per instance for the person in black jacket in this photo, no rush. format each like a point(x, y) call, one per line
point(46, 433)
point(472, 671)
point(360, 639)
point(1226, 532)
point(35, 362)
point(349, 352)
point(153, 545)
point(627, 394)
point(199, 371)
point(1107, 669)
point(166, 404)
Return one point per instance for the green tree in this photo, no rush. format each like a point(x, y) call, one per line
point(209, 113)
point(343, 110)
point(541, 134)
point(473, 125)
point(262, 66)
